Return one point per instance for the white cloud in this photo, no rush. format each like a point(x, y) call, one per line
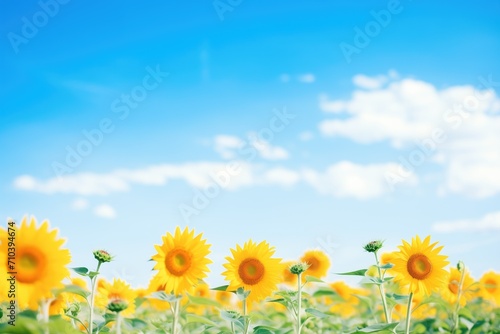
point(367, 82)
point(347, 179)
point(306, 136)
point(307, 78)
point(105, 211)
point(226, 145)
point(80, 204)
point(281, 176)
point(489, 222)
point(266, 150)
point(407, 113)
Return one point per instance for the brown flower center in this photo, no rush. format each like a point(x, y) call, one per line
point(178, 261)
point(490, 285)
point(251, 271)
point(419, 266)
point(31, 265)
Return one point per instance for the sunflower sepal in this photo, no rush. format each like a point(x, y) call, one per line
point(242, 294)
point(82, 271)
point(161, 295)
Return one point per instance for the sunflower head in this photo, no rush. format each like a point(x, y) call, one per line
point(40, 263)
point(116, 297)
point(450, 291)
point(253, 269)
point(489, 285)
point(318, 263)
point(420, 266)
point(182, 260)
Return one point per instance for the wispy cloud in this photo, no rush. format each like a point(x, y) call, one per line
point(229, 147)
point(489, 222)
point(80, 204)
point(105, 211)
point(307, 78)
point(408, 112)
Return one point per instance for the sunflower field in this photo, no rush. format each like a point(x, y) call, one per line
point(412, 290)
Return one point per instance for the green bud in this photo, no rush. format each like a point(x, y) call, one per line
point(373, 246)
point(298, 268)
point(102, 256)
point(117, 305)
point(460, 266)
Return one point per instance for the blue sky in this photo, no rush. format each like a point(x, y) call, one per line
point(426, 73)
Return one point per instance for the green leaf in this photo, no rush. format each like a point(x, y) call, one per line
point(162, 295)
point(316, 313)
point(325, 292)
point(203, 301)
point(313, 279)
point(378, 328)
point(386, 266)
point(371, 280)
point(93, 274)
point(220, 288)
point(263, 330)
point(134, 324)
point(199, 319)
point(81, 271)
point(360, 272)
point(242, 294)
point(75, 289)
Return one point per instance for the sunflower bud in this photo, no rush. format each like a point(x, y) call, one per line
point(117, 305)
point(460, 266)
point(373, 246)
point(298, 268)
point(102, 256)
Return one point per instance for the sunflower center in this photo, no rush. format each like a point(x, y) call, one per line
point(251, 271)
point(178, 261)
point(419, 266)
point(490, 285)
point(313, 263)
point(453, 286)
point(31, 265)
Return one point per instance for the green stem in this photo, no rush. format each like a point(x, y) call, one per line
point(299, 301)
point(175, 323)
point(247, 322)
point(459, 295)
point(382, 291)
point(45, 306)
point(408, 314)
point(118, 324)
point(93, 282)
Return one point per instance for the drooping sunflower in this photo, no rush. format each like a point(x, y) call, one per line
point(450, 292)
point(318, 262)
point(40, 262)
point(420, 266)
point(182, 260)
point(254, 269)
point(116, 297)
point(490, 287)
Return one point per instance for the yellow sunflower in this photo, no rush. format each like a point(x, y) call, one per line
point(155, 285)
point(490, 287)
point(40, 262)
point(254, 269)
point(420, 266)
point(318, 262)
point(116, 297)
point(182, 260)
point(450, 292)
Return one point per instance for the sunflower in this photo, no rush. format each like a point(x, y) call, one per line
point(40, 262)
point(490, 287)
point(116, 297)
point(420, 266)
point(450, 293)
point(155, 285)
point(254, 269)
point(182, 260)
point(318, 263)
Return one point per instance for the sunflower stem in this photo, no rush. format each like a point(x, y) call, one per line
point(118, 324)
point(382, 291)
point(175, 322)
point(247, 322)
point(93, 282)
point(299, 301)
point(44, 310)
point(408, 313)
point(459, 295)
